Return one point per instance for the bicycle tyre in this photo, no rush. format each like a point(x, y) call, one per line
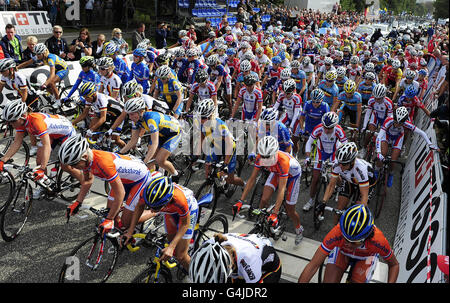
point(15, 212)
point(7, 187)
point(86, 274)
point(380, 195)
point(23, 152)
point(321, 186)
point(257, 194)
point(184, 167)
point(210, 188)
point(64, 179)
point(217, 224)
point(148, 275)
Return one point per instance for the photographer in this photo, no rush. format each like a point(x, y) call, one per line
point(81, 46)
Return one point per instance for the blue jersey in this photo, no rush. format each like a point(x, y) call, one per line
point(166, 126)
point(240, 76)
point(329, 92)
point(340, 83)
point(121, 69)
point(194, 65)
point(350, 103)
point(313, 116)
point(298, 77)
point(141, 73)
point(90, 76)
point(282, 134)
point(150, 57)
point(366, 90)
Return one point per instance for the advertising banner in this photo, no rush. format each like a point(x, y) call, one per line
point(26, 23)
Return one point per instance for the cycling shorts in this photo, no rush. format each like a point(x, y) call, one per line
point(170, 144)
point(396, 142)
point(172, 222)
point(344, 111)
point(322, 156)
point(292, 187)
point(62, 73)
point(215, 159)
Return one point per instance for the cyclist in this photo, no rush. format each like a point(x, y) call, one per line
point(354, 70)
point(87, 74)
point(203, 88)
point(324, 69)
point(365, 88)
point(406, 82)
point(392, 77)
point(220, 141)
point(300, 79)
point(169, 89)
point(111, 50)
point(123, 174)
point(190, 66)
point(58, 69)
point(110, 82)
point(309, 70)
point(272, 75)
point(251, 97)
point(411, 101)
point(330, 88)
point(356, 175)
point(180, 210)
point(354, 241)
point(291, 103)
point(52, 130)
point(232, 256)
point(218, 75)
point(245, 68)
point(140, 70)
point(328, 135)
point(341, 78)
point(392, 133)
point(263, 61)
point(164, 132)
point(285, 175)
point(349, 103)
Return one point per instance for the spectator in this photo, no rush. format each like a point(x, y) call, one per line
point(138, 35)
point(53, 11)
point(81, 46)
point(117, 38)
point(242, 16)
point(89, 8)
point(192, 34)
point(161, 35)
point(97, 46)
point(58, 45)
point(204, 30)
point(11, 44)
point(28, 53)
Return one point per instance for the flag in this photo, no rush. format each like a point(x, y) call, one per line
point(366, 11)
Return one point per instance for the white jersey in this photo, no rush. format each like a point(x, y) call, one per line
point(18, 82)
point(353, 72)
point(359, 174)
point(111, 84)
point(326, 143)
point(308, 71)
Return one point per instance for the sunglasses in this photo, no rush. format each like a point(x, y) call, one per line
point(103, 68)
point(57, 32)
point(118, 33)
point(265, 157)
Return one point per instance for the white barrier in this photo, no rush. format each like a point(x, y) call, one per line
point(26, 23)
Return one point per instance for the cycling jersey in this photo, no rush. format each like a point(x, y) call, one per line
point(150, 57)
point(323, 71)
point(291, 106)
point(403, 85)
point(340, 83)
point(310, 52)
point(168, 91)
point(250, 101)
point(57, 127)
point(214, 74)
point(240, 76)
point(273, 75)
point(204, 92)
point(319, 61)
point(252, 255)
point(56, 62)
point(278, 130)
point(193, 66)
point(298, 77)
point(309, 70)
point(18, 83)
point(330, 92)
point(326, 144)
point(296, 47)
point(365, 89)
point(313, 115)
point(350, 103)
point(377, 112)
point(90, 76)
point(141, 73)
point(111, 84)
point(354, 71)
point(121, 69)
point(360, 174)
point(394, 75)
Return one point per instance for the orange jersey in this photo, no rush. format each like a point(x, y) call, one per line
point(39, 124)
point(107, 166)
point(376, 245)
point(286, 166)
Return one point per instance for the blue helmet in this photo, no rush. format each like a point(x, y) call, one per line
point(231, 52)
point(410, 91)
point(357, 223)
point(139, 52)
point(276, 60)
point(159, 192)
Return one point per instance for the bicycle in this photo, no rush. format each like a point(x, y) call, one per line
point(21, 157)
point(94, 264)
point(371, 150)
point(16, 210)
point(381, 185)
point(264, 228)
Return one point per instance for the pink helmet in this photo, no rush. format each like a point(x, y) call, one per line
point(229, 38)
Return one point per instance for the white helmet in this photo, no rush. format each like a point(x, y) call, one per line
point(14, 110)
point(245, 66)
point(205, 108)
point(39, 48)
point(330, 119)
point(379, 91)
point(396, 64)
point(401, 114)
point(211, 263)
point(285, 74)
point(73, 149)
point(268, 146)
point(324, 51)
point(347, 153)
point(163, 71)
point(134, 105)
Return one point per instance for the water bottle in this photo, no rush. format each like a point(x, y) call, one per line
point(53, 172)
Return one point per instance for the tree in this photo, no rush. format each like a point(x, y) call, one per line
point(440, 9)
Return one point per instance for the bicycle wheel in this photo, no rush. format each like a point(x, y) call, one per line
point(317, 199)
point(79, 265)
point(69, 186)
point(21, 157)
point(16, 211)
point(217, 224)
point(380, 194)
point(183, 165)
point(257, 194)
point(7, 186)
point(206, 188)
point(148, 275)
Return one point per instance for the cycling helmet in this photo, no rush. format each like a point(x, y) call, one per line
point(40, 48)
point(330, 119)
point(231, 52)
point(139, 52)
point(350, 86)
point(369, 76)
point(87, 61)
point(268, 146)
point(191, 52)
point(163, 59)
point(401, 114)
point(331, 75)
point(6, 64)
point(276, 60)
point(245, 66)
point(72, 150)
point(324, 51)
point(143, 44)
point(130, 88)
point(250, 79)
point(179, 52)
point(410, 74)
point(212, 60)
point(163, 71)
point(370, 67)
point(396, 64)
point(410, 91)
point(295, 64)
point(87, 89)
point(354, 60)
point(14, 110)
point(328, 61)
point(229, 38)
point(423, 72)
point(269, 114)
point(285, 74)
point(357, 223)
point(159, 192)
point(346, 49)
point(289, 86)
point(160, 106)
point(317, 95)
point(306, 61)
point(105, 62)
point(205, 108)
point(347, 153)
point(379, 91)
point(210, 263)
point(341, 71)
point(134, 105)
point(111, 48)
point(182, 33)
point(201, 76)
point(211, 34)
